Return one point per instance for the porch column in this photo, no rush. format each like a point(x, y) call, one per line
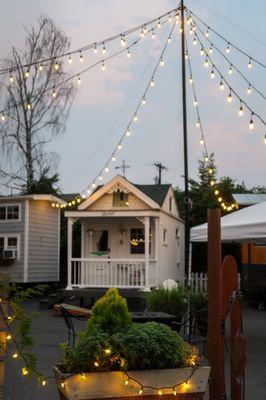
point(156, 250)
point(70, 222)
point(147, 241)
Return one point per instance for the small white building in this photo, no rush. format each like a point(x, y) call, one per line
point(30, 238)
point(132, 237)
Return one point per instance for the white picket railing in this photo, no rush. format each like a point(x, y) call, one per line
point(199, 282)
point(108, 272)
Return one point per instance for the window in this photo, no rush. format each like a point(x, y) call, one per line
point(170, 203)
point(9, 246)
point(165, 236)
point(120, 199)
point(9, 212)
point(102, 244)
point(137, 241)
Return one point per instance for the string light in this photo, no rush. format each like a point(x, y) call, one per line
point(229, 98)
point(265, 138)
point(79, 80)
point(135, 118)
point(142, 34)
point(95, 49)
point(143, 100)
point(250, 64)
point(140, 391)
point(207, 33)
point(70, 61)
point(162, 62)
point(153, 34)
point(251, 123)
point(56, 66)
point(212, 74)
point(201, 140)
point(249, 89)
point(103, 67)
point(206, 63)
point(145, 30)
point(44, 382)
point(119, 146)
point(227, 50)
point(128, 133)
point(241, 111)
point(54, 93)
point(190, 79)
point(160, 392)
point(25, 371)
point(29, 107)
point(100, 177)
point(11, 79)
point(122, 41)
point(126, 382)
point(3, 117)
point(106, 169)
point(169, 39)
point(62, 385)
point(191, 31)
point(113, 158)
point(128, 53)
point(211, 49)
point(81, 59)
point(230, 71)
point(15, 355)
point(202, 52)
point(159, 25)
point(198, 124)
point(103, 49)
point(40, 67)
point(9, 337)
point(195, 103)
point(170, 18)
point(195, 41)
point(186, 55)
point(27, 74)
point(152, 82)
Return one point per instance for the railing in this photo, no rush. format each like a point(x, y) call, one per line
point(199, 282)
point(108, 272)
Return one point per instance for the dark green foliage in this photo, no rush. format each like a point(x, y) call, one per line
point(151, 346)
point(198, 302)
point(45, 184)
point(110, 313)
point(171, 301)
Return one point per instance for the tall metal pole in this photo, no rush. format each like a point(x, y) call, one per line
point(184, 103)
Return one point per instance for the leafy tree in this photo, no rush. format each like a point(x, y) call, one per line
point(45, 184)
point(37, 100)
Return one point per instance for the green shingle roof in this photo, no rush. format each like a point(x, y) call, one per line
point(155, 192)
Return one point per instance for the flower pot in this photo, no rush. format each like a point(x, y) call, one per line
point(186, 383)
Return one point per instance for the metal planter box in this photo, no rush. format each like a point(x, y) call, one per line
point(111, 385)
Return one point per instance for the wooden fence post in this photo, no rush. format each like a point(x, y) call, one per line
point(215, 334)
point(4, 291)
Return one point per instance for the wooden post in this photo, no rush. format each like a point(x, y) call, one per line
point(215, 334)
point(147, 250)
point(4, 289)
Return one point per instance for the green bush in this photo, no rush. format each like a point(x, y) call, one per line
point(110, 313)
point(198, 302)
point(151, 346)
point(171, 301)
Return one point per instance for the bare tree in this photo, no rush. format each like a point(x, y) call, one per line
point(37, 105)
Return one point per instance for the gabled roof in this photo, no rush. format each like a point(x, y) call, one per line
point(153, 195)
point(157, 192)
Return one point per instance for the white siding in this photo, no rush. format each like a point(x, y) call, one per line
point(166, 203)
point(105, 202)
point(43, 264)
point(16, 270)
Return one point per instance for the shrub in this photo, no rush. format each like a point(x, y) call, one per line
point(199, 302)
point(151, 346)
point(172, 301)
point(110, 313)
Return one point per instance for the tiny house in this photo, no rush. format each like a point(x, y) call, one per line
point(131, 237)
point(30, 238)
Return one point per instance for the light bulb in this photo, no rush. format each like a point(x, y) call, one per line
point(162, 62)
point(103, 67)
point(122, 41)
point(15, 355)
point(79, 80)
point(216, 192)
point(220, 199)
point(43, 382)
point(25, 371)
point(119, 146)
point(128, 133)
point(29, 106)
point(152, 82)
point(70, 60)
point(142, 34)
point(186, 55)
point(195, 41)
point(11, 79)
point(62, 385)
point(54, 93)
point(169, 39)
point(160, 392)
point(206, 63)
point(3, 117)
point(113, 158)
point(27, 74)
point(81, 59)
point(229, 98)
point(170, 18)
point(88, 191)
point(9, 337)
point(227, 50)
point(177, 18)
point(265, 138)
point(93, 184)
point(249, 89)
point(100, 177)
point(140, 391)
point(212, 74)
point(202, 52)
point(241, 111)
point(106, 168)
point(207, 33)
point(230, 71)
point(250, 64)
point(195, 102)
point(211, 49)
point(95, 49)
point(126, 382)
point(40, 67)
point(180, 29)
point(206, 159)
point(201, 141)
point(198, 123)
point(251, 123)
point(56, 66)
point(159, 25)
point(104, 49)
point(128, 53)
point(135, 118)
point(143, 100)
point(153, 34)
point(174, 392)
point(190, 79)
point(221, 85)
point(145, 30)
point(191, 31)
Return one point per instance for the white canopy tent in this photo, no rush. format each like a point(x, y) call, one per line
point(246, 225)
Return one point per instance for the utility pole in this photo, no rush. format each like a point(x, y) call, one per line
point(160, 168)
point(123, 167)
point(184, 103)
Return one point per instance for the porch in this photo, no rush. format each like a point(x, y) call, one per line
point(116, 251)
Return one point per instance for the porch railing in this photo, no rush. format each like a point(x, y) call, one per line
point(108, 272)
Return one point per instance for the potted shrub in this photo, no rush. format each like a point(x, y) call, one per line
point(115, 358)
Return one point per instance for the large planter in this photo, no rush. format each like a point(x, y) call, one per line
point(185, 383)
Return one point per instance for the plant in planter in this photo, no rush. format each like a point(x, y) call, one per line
point(172, 301)
point(115, 357)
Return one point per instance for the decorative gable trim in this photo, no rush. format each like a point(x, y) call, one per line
point(118, 187)
point(114, 185)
